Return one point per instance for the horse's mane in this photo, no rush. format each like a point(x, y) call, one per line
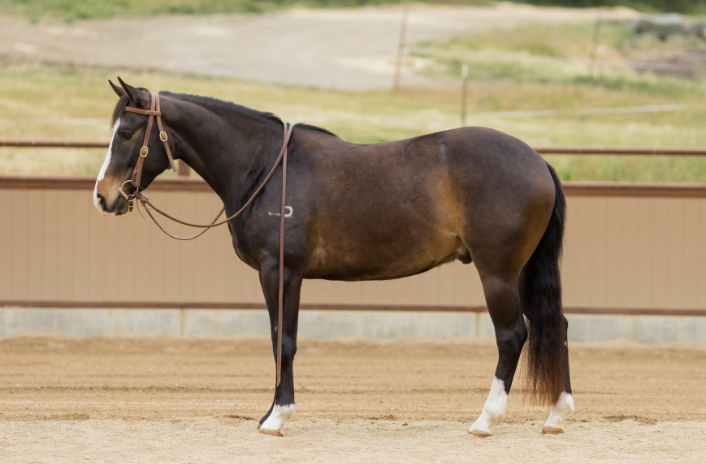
point(315, 128)
point(215, 102)
point(218, 104)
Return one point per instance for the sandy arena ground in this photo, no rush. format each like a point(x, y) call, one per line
point(155, 400)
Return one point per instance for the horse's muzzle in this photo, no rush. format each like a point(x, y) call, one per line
point(120, 206)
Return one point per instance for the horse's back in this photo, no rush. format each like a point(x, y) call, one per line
point(468, 166)
point(440, 194)
point(468, 152)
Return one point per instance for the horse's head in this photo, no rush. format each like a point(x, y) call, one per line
point(125, 150)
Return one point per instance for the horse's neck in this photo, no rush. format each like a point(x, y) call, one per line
point(234, 157)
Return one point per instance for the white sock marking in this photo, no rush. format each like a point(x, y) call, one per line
point(279, 415)
point(561, 411)
point(104, 168)
point(494, 409)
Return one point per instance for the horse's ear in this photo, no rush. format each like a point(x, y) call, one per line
point(140, 97)
point(118, 90)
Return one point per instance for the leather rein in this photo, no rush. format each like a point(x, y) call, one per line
point(136, 178)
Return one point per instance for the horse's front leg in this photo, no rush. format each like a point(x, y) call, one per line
point(283, 405)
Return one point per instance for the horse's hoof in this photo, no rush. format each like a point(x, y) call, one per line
point(481, 433)
point(547, 430)
point(274, 433)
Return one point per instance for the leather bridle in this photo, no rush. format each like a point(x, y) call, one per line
point(136, 178)
point(154, 111)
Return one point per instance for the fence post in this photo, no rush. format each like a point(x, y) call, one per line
point(594, 41)
point(400, 48)
point(183, 169)
point(464, 93)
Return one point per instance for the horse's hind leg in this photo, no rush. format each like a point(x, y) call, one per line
point(505, 308)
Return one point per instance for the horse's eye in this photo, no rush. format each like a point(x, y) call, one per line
point(126, 135)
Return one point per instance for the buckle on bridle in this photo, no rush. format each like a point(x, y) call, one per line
point(144, 150)
point(163, 136)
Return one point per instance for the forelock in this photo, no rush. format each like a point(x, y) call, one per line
point(119, 108)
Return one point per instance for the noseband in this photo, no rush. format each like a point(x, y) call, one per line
point(136, 178)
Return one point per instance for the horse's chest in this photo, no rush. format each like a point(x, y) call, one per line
point(243, 253)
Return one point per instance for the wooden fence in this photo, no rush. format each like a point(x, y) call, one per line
point(630, 248)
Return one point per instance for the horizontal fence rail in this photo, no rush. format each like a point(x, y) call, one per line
point(182, 169)
point(327, 307)
point(668, 151)
point(53, 143)
point(661, 151)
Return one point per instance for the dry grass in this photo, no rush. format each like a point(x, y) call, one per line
point(30, 95)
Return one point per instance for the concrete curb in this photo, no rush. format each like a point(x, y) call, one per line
point(328, 324)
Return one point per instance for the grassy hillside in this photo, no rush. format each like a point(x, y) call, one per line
point(527, 68)
point(39, 99)
point(84, 9)
point(545, 67)
point(557, 53)
point(656, 6)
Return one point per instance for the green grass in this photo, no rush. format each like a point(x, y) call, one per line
point(648, 6)
point(547, 40)
point(557, 54)
point(86, 9)
point(373, 116)
point(533, 68)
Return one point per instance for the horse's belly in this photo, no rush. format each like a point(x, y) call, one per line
point(381, 261)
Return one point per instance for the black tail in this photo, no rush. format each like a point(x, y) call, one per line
point(541, 300)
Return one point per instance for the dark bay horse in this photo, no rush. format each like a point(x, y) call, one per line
point(371, 212)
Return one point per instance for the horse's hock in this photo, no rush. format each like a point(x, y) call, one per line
point(627, 248)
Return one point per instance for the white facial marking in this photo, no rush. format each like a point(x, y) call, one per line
point(101, 174)
point(279, 415)
point(493, 411)
point(288, 212)
point(561, 411)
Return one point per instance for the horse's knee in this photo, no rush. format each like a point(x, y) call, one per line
point(289, 348)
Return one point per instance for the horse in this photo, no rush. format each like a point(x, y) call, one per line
point(358, 212)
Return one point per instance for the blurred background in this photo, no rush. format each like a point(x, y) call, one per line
point(551, 72)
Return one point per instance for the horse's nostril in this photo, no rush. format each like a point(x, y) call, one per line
point(101, 200)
